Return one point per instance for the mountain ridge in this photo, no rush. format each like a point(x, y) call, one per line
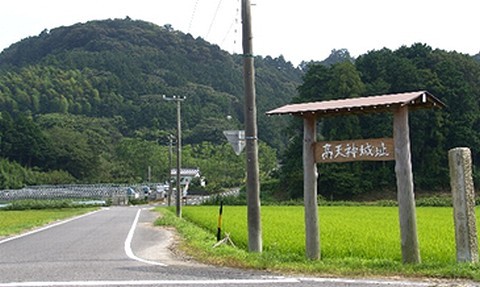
point(138, 58)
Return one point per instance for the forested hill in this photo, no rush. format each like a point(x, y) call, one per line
point(117, 68)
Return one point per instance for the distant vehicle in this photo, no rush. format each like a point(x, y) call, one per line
point(161, 190)
point(132, 193)
point(146, 190)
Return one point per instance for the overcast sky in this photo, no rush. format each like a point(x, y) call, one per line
point(298, 30)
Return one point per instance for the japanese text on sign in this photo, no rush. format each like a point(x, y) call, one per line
point(355, 150)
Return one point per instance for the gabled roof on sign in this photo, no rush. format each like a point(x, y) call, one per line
point(370, 104)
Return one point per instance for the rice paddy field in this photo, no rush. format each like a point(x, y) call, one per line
point(357, 232)
point(13, 221)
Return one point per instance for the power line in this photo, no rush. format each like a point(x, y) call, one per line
point(193, 16)
point(233, 24)
point(213, 20)
point(228, 32)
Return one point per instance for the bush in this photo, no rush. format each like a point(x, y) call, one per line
point(15, 176)
point(437, 201)
point(137, 201)
point(34, 204)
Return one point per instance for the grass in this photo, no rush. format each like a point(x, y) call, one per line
point(355, 241)
point(16, 221)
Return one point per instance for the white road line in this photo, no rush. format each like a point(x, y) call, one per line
point(128, 243)
point(46, 227)
point(152, 282)
point(274, 280)
point(366, 281)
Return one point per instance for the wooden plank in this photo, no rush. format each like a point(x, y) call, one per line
point(380, 149)
point(312, 229)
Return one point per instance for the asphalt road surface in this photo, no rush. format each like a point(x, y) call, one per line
point(119, 246)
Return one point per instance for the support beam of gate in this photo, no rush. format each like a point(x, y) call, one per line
point(397, 103)
point(406, 199)
point(312, 235)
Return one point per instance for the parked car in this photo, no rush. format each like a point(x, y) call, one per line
point(146, 190)
point(161, 191)
point(132, 193)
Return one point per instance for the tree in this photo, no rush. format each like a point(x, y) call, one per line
point(23, 141)
point(447, 75)
point(340, 80)
point(73, 153)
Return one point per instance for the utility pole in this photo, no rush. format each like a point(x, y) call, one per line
point(253, 184)
point(169, 199)
point(178, 99)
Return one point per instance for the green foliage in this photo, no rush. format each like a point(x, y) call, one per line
point(361, 241)
point(113, 67)
point(137, 201)
point(15, 221)
point(34, 204)
point(86, 100)
point(434, 201)
point(230, 200)
point(222, 168)
point(21, 140)
point(14, 176)
point(450, 76)
point(82, 103)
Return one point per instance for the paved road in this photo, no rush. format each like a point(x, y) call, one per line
point(120, 247)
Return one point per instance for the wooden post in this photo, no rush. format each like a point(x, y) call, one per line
point(178, 99)
point(312, 235)
point(406, 199)
point(253, 182)
point(178, 206)
point(170, 187)
point(463, 194)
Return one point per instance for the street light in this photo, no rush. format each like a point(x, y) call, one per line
point(178, 99)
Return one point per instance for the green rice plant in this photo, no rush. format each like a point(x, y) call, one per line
point(15, 221)
point(436, 234)
point(362, 232)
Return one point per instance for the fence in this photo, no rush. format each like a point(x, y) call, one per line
point(84, 191)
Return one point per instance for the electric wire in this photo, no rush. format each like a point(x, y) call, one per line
point(193, 16)
point(213, 20)
point(233, 24)
point(228, 32)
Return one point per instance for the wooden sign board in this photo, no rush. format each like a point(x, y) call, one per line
point(355, 150)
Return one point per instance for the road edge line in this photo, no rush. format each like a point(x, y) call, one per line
point(128, 244)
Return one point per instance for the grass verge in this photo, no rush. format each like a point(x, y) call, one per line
point(198, 243)
point(16, 221)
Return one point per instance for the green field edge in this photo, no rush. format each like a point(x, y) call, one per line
point(197, 243)
point(33, 219)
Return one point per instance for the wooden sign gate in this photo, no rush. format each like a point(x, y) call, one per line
point(397, 148)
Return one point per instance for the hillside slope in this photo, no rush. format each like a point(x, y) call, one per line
point(118, 68)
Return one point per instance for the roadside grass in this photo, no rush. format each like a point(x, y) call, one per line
point(355, 240)
point(16, 221)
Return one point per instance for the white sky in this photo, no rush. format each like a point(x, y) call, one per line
point(298, 30)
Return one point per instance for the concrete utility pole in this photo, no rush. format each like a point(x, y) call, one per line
point(178, 99)
point(253, 184)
